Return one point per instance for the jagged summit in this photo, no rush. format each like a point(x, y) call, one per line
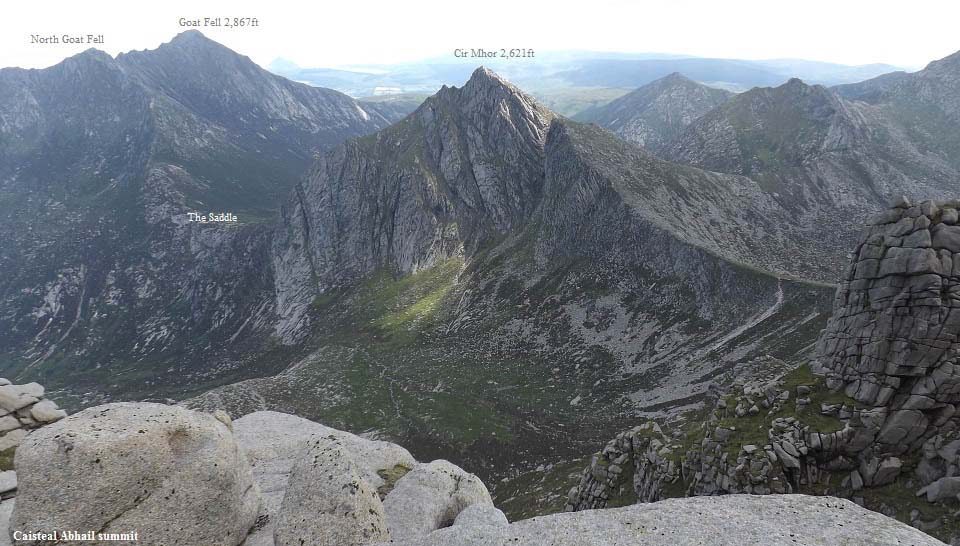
point(485, 90)
point(191, 35)
point(195, 41)
point(673, 77)
point(483, 75)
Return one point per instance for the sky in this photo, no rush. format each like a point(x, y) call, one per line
point(344, 33)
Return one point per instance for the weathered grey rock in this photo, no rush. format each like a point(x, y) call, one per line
point(429, 497)
point(944, 488)
point(273, 442)
point(12, 439)
point(726, 520)
point(887, 472)
point(137, 466)
point(8, 422)
point(856, 481)
point(949, 216)
point(900, 202)
point(947, 237)
point(327, 503)
point(481, 514)
point(46, 411)
point(14, 397)
point(6, 511)
point(8, 481)
point(787, 459)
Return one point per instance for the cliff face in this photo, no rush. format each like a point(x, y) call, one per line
point(892, 341)
point(483, 163)
point(875, 422)
point(465, 167)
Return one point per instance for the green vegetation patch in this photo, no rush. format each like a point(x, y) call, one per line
point(391, 476)
point(6, 458)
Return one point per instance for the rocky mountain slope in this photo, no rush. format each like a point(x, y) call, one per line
point(829, 158)
point(872, 418)
point(825, 154)
point(656, 113)
point(101, 160)
point(273, 479)
point(500, 278)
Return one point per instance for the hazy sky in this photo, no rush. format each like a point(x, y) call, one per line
point(339, 33)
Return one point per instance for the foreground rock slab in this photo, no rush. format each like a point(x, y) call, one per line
point(273, 442)
point(431, 496)
point(729, 520)
point(172, 475)
point(327, 503)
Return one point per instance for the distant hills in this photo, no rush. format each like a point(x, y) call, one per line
point(596, 77)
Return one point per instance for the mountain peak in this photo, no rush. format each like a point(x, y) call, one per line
point(675, 77)
point(486, 92)
point(484, 77)
point(653, 115)
point(190, 36)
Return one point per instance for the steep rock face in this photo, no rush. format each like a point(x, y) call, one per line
point(892, 342)
point(101, 160)
point(467, 165)
point(486, 161)
point(656, 113)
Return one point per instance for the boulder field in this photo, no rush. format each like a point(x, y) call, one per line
point(177, 476)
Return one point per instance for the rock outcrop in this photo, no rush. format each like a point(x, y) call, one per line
point(23, 408)
point(894, 339)
point(274, 442)
point(430, 497)
point(327, 502)
point(172, 475)
point(872, 418)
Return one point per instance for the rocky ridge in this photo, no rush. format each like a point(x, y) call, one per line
point(153, 465)
point(829, 157)
point(871, 418)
